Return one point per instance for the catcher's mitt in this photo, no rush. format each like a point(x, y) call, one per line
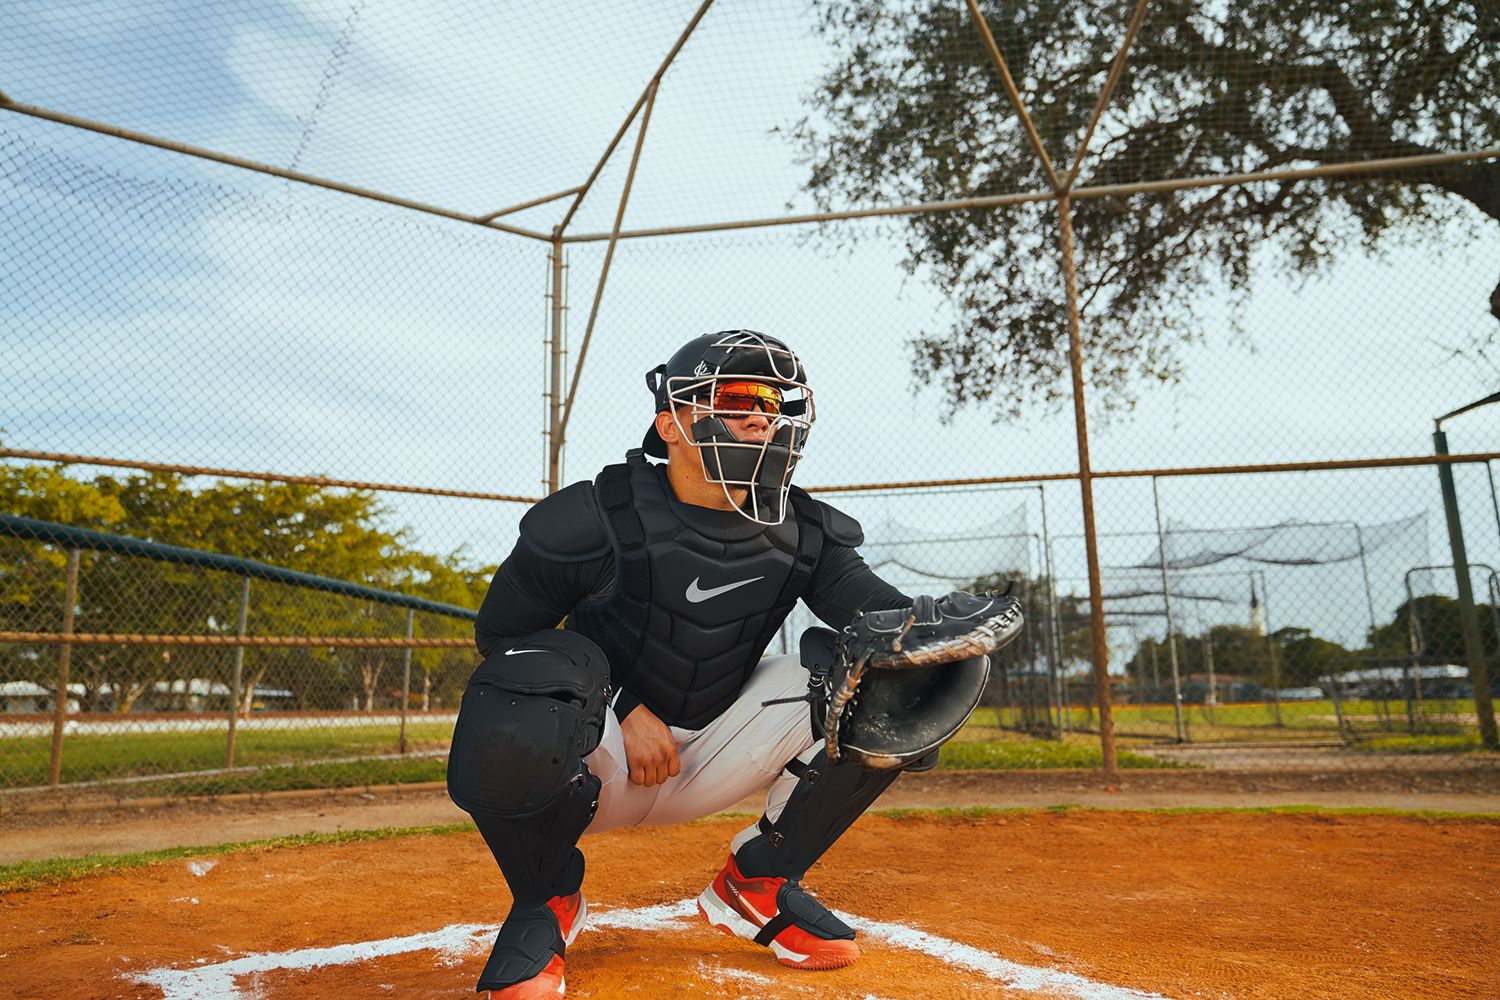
point(902, 682)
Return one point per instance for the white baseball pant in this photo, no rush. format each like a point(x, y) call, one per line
point(740, 753)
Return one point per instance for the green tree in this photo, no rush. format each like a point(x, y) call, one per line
point(1305, 657)
point(1433, 627)
point(913, 110)
point(338, 534)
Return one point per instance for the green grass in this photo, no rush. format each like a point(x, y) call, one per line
point(983, 744)
point(95, 756)
point(1257, 721)
point(22, 875)
point(1427, 743)
point(1036, 754)
point(286, 778)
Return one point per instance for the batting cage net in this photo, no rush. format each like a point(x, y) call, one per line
point(1145, 309)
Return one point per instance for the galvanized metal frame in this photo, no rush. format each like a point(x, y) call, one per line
point(1063, 191)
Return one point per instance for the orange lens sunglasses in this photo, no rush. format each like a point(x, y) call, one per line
point(746, 397)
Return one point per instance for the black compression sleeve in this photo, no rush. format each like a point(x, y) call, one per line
point(531, 592)
point(843, 584)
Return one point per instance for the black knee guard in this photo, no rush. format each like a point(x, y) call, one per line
point(825, 803)
point(530, 715)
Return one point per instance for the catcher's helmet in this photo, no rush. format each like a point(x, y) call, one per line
point(694, 376)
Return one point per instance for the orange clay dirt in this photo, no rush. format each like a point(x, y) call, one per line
point(1125, 904)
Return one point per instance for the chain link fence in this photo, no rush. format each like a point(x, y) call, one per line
point(340, 289)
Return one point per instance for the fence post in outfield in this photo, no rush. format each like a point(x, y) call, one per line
point(406, 676)
point(237, 674)
point(64, 661)
point(1054, 647)
point(1265, 603)
point(1166, 596)
point(1473, 647)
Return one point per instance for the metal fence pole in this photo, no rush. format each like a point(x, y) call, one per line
point(1265, 603)
point(237, 674)
point(64, 662)
point(1213, 683)
point(1054, 651)
point(1099, 640)
point(1166, 595)
point(1473, 646)
point(1494, 499)
point(555, 373)
point(406, 675)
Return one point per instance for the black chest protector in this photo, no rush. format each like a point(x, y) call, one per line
point(698, 594)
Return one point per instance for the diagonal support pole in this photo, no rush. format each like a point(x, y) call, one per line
point(142, 138)
point(1116, 70)
point(648, 93)
point(609, 256)
point(1015, 94)
point(1099, 639)
point(531, 203)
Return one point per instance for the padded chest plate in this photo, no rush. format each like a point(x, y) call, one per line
point(698, 595)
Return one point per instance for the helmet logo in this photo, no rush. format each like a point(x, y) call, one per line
point(701, 370)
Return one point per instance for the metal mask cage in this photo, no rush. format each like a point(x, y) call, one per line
point(762, 469)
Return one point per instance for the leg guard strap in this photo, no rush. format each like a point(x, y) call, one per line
point(818, 812)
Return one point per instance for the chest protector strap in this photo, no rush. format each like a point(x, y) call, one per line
point(630, 610)
point(625, 616)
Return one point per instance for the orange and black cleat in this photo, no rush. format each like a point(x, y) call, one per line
point(778, 913)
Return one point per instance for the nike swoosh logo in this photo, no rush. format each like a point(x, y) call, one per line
point(518, 652)
point(697, 595)
point(742, 904)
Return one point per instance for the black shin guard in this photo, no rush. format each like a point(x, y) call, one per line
point(526, 943)
point(539, 858)
point(538, 854)
point(825, 803)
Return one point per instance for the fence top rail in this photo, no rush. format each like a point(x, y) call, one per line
point(233, 641)
point(52, 533)
point(1326, 465)
point(1329, 465)
point(1165, 185)
point(268, 477)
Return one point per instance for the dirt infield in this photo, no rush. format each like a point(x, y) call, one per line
point(1104, 906)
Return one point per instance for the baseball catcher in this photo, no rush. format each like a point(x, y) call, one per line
point(624, 682)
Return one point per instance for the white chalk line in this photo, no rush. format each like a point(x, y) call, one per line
point(456, 942)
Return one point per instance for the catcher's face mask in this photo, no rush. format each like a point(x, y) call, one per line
point(725, 379)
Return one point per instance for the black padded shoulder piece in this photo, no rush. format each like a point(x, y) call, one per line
point(837, 526)
point(566, 526)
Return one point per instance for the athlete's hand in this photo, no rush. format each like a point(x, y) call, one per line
point(650, 750)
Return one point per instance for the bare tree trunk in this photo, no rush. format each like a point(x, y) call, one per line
point(426, 690)
point(125, 700)
point(247, 692)
point(369, 675)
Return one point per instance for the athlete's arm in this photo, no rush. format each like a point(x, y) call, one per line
point(529, 593)
point(562, 557)
point(843, 583)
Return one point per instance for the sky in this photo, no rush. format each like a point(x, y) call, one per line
point(163, 308)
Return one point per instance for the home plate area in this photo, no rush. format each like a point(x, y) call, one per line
point(649, 951)
point(1075, 904)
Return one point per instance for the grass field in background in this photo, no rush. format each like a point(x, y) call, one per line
point(1257, 721)
point(97, 756)
point(317, 754)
